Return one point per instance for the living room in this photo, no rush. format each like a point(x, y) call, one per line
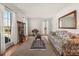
point(56, 22)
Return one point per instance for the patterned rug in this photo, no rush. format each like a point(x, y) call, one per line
point(38, 44)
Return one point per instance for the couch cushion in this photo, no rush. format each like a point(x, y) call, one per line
point(62, 34)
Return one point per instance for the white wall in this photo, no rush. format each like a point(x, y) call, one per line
point(14, 33)
point(64, 11)
point(17, 16)
point(37, 23)
point(2, 40)
point(50, 23)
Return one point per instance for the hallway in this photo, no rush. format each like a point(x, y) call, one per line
point(24, 49)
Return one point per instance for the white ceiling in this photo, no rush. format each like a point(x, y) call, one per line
point(43, 10)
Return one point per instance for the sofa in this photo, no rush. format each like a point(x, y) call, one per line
point(72, 47)
point(58, 39)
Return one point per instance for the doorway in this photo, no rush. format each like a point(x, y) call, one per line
point(21, 31)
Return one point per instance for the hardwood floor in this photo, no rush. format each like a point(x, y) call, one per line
point(12, 49)
point(24, 49)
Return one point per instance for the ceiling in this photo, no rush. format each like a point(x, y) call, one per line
point(42, 10)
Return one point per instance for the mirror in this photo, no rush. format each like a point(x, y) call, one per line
point(68, 21)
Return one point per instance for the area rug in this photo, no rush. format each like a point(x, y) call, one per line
point(38, 44)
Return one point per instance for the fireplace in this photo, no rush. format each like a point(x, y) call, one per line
point(7, 39)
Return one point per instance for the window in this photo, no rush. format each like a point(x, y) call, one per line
point(45, 27)
point(7, 21)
